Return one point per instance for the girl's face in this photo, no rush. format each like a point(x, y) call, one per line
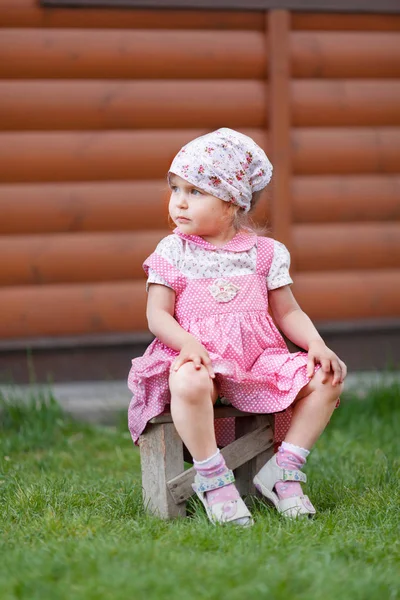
point(197, 213)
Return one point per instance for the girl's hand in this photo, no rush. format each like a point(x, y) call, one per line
point(318, 352)
point(193, 351)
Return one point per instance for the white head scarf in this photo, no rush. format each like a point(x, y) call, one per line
point(226, 164)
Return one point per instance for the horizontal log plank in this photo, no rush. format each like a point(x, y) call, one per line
point(84, 206)
point(91, 156)
point(326, 151)
point(140, 54)
point(63, 105)
point(345, 54)
point(76, 156)
point(84, 105)
point(332, 198)
point(346, 246)
point(118, 256)
point(347, 295)
point(90, 206)
point(75, 257)
point(319, 103)
point(151, 54)
point(28, 13)
point(119, 307)
point(59, 310)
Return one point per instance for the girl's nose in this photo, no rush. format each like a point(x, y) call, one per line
point(182, 200)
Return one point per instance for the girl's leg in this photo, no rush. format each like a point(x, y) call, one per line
point(193, 395)
point(312, 411)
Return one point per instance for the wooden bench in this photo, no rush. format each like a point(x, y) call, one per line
point(167, 486)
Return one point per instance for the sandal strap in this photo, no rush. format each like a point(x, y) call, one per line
point(293, 475)
point(207, 484)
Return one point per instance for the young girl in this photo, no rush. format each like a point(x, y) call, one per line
point(210, 284)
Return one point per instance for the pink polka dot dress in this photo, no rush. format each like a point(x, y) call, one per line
point(222, 300)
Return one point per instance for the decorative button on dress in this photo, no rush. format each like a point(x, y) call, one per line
point(222, 300)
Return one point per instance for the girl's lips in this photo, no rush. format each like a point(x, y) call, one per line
point(182, 219)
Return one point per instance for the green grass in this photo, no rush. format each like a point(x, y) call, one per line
point(72, 524)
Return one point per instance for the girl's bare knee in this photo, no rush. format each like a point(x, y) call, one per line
point(329, 391)
point(191, 384)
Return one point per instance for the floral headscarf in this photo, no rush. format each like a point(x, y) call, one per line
point(226, 164)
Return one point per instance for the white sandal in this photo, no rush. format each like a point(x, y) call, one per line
point(265, 480)
point(222, 512)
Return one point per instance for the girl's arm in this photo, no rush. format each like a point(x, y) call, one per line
point(161, 322)
point(298, 327)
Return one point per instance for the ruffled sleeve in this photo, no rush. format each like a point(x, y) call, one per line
point(278, 275)
point(163, 266)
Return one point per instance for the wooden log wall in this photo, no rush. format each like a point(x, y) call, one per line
point(344, 164)
point(94, 105)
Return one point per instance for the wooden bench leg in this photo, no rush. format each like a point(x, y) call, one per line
point(244, 474)
point(161, 457)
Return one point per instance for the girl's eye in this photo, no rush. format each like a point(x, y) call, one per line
point(174, 189)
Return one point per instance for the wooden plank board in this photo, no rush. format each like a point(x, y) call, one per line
point(349, 295)
point(76, 257)
point(345, 198)
point(63, 105)
point(338, 103)
point(345, 54)
point(220, 412)
point(346, 151)
point(107, 257)
point(123, 54)
point(85, 206)
point(94, 156)
point(58, 310)
point(90, 105)
point(245, 473)
point(75, 309)
point(75, 156)
point(89, 206)
point(346, 246)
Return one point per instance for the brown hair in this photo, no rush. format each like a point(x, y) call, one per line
point(244, 220)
